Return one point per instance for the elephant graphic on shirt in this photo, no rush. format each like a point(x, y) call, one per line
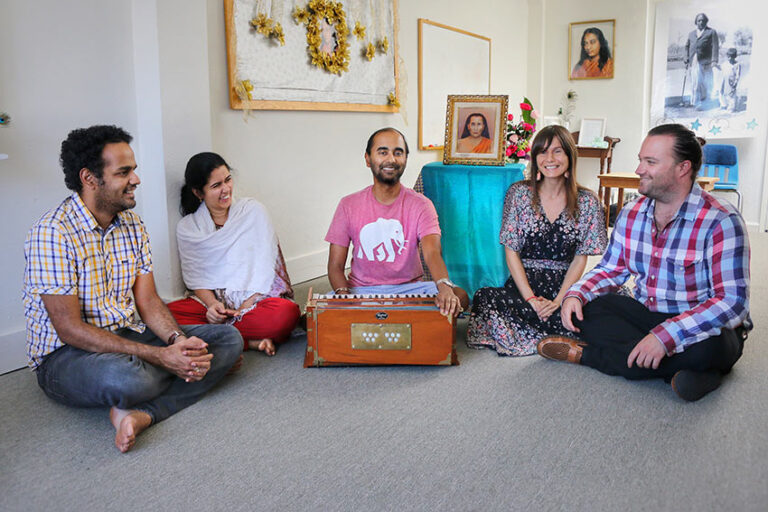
point(379, 238)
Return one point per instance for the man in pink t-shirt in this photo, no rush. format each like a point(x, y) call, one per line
point(385, 223)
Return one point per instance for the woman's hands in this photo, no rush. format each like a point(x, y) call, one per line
point(218, 313)
point(544, 307)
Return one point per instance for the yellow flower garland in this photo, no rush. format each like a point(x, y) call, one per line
point(316, 11)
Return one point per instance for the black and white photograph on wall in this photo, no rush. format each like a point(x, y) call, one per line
point(702, 68)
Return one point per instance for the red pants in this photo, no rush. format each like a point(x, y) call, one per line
point(272, 318)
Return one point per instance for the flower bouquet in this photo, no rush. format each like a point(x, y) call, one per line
point(519, 134)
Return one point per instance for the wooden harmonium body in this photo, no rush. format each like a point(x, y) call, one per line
point(344, 330)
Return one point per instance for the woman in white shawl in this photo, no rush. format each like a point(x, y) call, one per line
point(231, 260)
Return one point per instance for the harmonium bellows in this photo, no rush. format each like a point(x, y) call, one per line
point(345, 330)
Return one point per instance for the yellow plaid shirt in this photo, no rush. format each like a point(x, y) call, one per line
point(67, 253)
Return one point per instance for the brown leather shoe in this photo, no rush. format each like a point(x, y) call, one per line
point(561, 348)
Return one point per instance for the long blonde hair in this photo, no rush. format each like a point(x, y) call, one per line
point(541, 143)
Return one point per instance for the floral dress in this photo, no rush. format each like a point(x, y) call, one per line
point(501, 318)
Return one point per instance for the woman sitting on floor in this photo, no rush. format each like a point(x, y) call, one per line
point(231, 259)
point(550, 225)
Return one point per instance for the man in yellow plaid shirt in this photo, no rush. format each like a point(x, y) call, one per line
point(88, 273)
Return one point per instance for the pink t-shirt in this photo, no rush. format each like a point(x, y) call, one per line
point(385, 238)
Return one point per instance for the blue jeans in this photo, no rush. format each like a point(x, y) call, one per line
point(92, 379)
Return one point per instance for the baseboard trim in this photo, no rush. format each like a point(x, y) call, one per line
point(13, 354)
point(307, 266)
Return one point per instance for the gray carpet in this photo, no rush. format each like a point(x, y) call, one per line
point(491, 434)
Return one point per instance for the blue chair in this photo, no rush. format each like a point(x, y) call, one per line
point(722, 161)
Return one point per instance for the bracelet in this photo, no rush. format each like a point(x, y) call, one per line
point(173, 336)
point(529, 298)
point(337, 290)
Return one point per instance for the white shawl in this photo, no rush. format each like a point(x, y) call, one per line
point(240, 256)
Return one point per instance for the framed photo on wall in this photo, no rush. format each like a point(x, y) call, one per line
point(474, 129)
point(590, 49)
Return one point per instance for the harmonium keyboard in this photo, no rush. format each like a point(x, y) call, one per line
point(346, 330)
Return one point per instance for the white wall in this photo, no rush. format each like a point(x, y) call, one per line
point(162, 76)
point(625, 100)
point(301, 163)
point(63, 65)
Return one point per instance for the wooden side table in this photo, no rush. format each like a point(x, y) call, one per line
point(622, 180)
point(604, 154)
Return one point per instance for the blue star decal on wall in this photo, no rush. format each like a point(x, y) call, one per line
point(715, 130)
point(695, 125)
point(752, 124)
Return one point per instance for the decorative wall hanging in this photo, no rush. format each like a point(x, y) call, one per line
point(701, 69)
point(465, 69)
point(590, 49)
point(474, 130)
point(312, 55)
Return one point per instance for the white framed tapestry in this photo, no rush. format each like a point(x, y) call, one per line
point(312, 55)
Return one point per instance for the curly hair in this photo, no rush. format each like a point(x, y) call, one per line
point(83, 148)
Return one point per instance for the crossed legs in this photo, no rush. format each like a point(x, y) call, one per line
point(266, 325)
point(139, 393)
point(612, 326)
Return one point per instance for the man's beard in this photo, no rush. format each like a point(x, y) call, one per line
point(394, 180)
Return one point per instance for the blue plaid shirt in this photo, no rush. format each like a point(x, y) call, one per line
point(697, 267)
point(67, 253)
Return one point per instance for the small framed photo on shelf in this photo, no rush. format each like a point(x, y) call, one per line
point(592, 133)
point(474, 129)
point(590, 49)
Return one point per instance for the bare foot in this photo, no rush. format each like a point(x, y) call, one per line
point(236, 367)
point(128, 424)
point(264, 345)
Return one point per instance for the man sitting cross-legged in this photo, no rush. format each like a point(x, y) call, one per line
point(385, 223)
point(689, 255)
point(88, 272)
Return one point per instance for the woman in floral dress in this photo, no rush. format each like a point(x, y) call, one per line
point(550, 226)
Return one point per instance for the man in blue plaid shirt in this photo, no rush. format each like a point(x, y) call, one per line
point(689, 255)
point(88, 273)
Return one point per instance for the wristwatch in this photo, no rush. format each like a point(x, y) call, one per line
point(445, 280)
point(173, 336)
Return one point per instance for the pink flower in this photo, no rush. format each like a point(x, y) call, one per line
point(525, 106)
point(514, 138)
point(510, 117)
point(520, 152)
point(527, 127)
point(509, 150)
point(534, 114)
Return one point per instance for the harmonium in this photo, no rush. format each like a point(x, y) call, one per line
point(347, 330)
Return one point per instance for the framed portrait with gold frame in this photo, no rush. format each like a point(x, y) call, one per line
point(590, 49)
point(474, 129)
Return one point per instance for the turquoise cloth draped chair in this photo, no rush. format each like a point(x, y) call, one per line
point(722, 161)
point(469, 200)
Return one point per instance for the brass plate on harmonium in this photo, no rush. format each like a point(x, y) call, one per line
point(381, 336)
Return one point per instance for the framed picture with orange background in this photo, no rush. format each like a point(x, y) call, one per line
point(474, 129)
point(590, 49)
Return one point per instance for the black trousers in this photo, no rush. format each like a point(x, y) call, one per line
point(613, 324)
